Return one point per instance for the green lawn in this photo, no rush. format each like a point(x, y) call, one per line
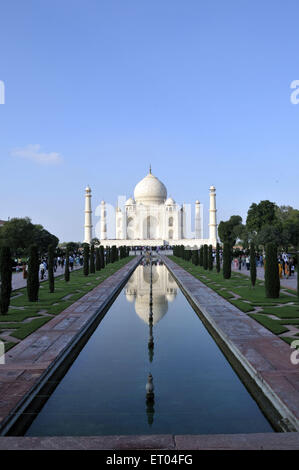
point(238, 291)
point(66, 293)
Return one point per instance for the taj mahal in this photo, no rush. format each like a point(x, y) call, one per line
point(150, 218)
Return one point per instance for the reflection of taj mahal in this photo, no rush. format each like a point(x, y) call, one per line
point(164, 291)
point(151, 218)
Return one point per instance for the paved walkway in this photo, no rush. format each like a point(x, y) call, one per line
point(291, 282)
point(18, 282)
point(33, 361)
point(265, 357)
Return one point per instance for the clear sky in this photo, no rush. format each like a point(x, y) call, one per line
point(96, 90)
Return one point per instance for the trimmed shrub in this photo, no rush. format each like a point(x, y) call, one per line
point(218, 258)
point(91, 261)
point(67, 265)
point(98, 260)
point(102, 255)
point(205, 257)
point(272, 283)
point(114, 254)
point(195, 257)
point(252, 264)
point(201, 256)
point(5, 275)
point(32, 278)
point(210, 258)
point(51, 268)
point(86, 259)
point(227, 264)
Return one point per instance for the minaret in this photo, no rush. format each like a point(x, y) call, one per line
point(197, 220)
point(88, 212)
point(213, 223)
point(103, 221)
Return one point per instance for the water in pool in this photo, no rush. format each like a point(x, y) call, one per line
point(195, 389)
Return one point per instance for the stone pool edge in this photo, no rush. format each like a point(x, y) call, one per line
point(254, 441)
point(32, 362)
point(264, 357)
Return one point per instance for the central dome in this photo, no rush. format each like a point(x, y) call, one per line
point(150, 190)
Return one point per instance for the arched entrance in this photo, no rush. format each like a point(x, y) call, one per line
point(150, 227)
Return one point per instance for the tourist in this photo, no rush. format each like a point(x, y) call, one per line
point(42, 270)
point(247, 260)
point(287, 269)
point(280, 268)
point(71, 261)
point(240, 262)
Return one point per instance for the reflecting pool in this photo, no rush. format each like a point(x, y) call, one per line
point(104, 392)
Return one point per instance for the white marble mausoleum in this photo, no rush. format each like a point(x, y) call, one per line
point(150, 218)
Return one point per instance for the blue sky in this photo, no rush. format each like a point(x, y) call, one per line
point(97, 90)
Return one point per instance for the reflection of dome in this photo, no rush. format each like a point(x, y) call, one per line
point(160, 307)
point(130, 296)
point(147, 274)
point(150, 190)
point(171, 296)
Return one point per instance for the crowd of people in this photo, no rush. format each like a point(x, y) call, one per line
point(286, 263)
point(59, 261)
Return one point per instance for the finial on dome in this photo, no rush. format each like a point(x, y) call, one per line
point(150, 169)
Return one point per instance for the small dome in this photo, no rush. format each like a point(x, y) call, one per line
point(170, 202)
point(150, 190)
point(102, 202)
point(130, 201)
point(197, 201)
point(87, 189)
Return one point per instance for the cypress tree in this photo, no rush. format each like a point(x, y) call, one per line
point(227, 267)
point(114, 254)
point(98, 260)
point(67, 265)
point(200, 261)
point(51, 268)
point(107, 255)
point(217, 258)
point(32, 278)
point(92, 266)
point(210, 258)
point(272, 283)
point(252, 264)
point(102, 256)
point(298, 274)
point(5, 275)
point(195, 257)
point(86, 259)
point(205, 257)
point(182, 255)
